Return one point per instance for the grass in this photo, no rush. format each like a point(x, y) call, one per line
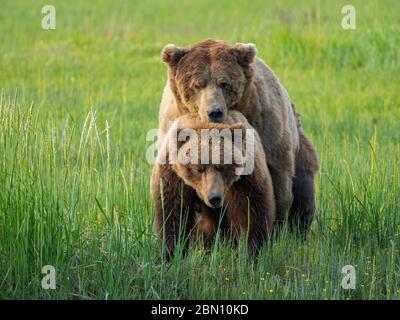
point(76, 104)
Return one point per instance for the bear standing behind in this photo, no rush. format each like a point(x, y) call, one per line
point(197, 198)
point(212, 78)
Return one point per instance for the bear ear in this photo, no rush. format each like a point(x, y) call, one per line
point(236, 126)
point(245, 53)
point(185, 135)
point(171, 54)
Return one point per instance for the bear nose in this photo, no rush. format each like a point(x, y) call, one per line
point(216, 114)
point(215, 199)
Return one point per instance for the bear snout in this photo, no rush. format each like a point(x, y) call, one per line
point(216, 114)
point(215, 199)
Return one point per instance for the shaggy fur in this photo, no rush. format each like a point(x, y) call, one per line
point(180, 194)
point(214, 76)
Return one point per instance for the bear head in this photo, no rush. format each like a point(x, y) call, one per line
point(210, 77)
point(209, 158)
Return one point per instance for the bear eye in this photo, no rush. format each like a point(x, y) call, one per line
point(198, 85)
point(201, 169)
point(223, 85)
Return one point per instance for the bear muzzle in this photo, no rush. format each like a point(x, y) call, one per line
point(215, 199)
point(216, 114)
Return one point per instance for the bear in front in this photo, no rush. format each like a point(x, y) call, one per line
point(210, 79)
point(195, 198)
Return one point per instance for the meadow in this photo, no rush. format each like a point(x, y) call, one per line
point(75, 107)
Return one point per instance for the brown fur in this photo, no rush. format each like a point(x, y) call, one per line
point(180, 195)
point(303, 206)
point(213, 75)
point(206, 224)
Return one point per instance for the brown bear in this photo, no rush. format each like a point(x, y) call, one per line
point(212, 77)
point(195, 198)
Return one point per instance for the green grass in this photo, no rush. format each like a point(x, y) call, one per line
point(75, 107)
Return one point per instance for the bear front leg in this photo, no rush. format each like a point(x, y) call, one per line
point(253, 228)
point(173, 216)
point(251, 214)
point(303, 208)
point(282, 185)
